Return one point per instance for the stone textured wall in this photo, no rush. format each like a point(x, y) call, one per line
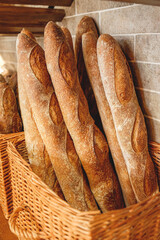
point(137, 28)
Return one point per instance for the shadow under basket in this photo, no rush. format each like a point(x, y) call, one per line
point(38, 213)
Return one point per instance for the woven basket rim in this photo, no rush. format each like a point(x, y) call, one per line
point(38, 182)
point(57, 219)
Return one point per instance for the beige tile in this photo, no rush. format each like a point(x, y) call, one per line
point(72, 22)
point(40, 41)
point(70, 10)
point(147, 47)
point(84, 6)
point(8, 56)
point(8, 38)
point(127, 45)
point(132, 19)
point(149, 102)
point(146, 75)
point(153, 128)
point(7, 45)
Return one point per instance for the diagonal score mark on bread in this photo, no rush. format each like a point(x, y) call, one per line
point(37, 153)
point(87, 140)
point(129, 124)
point(52, 129)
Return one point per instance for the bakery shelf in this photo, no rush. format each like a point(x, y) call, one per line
point(148, 2)
point(39, 2)
point(32, 14)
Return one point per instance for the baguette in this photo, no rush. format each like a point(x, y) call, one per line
point(50, 124)
point(89, 142)
point(89, 46)
point(85, 25)
point(10, 121)
point(37, 154)
point(127, 117)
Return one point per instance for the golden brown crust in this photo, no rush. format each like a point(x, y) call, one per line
point(139, 133)
point(54, 110)
point(66, 64)
point(83, 110)
point(89, 44)
point(51, 126)
point(28, 33)
point(16, 123)
point(38, 65)
point(100, 145)
point(68, 37)
point(9, 101)
point(10, 120)
point(127, 117)
point(150, 183)
point(86, 24)
point(102, 178)
point(123, 81)
point(37, 153)
point(71, 152)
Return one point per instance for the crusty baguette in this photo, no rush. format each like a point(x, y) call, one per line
point(68, 37)
point(127, 117)
point(38, 157)
point(85, 25)
point(89, 142)
point(10, 121)
point(37, 153)
point(89, 46)
point(51, 126)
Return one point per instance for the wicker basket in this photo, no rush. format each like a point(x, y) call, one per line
point(5, 181)
point(41, 214)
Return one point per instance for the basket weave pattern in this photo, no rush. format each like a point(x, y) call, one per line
point(154, 149)
point(5, 177)
point(41, 214)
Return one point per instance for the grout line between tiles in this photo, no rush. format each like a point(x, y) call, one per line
point(134, 34)
point(99, 11)
point(152, 118)
point(144, 62)
point(147, 90)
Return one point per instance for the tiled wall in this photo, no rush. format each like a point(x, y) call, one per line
point(137, 29)
point(7, 50)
